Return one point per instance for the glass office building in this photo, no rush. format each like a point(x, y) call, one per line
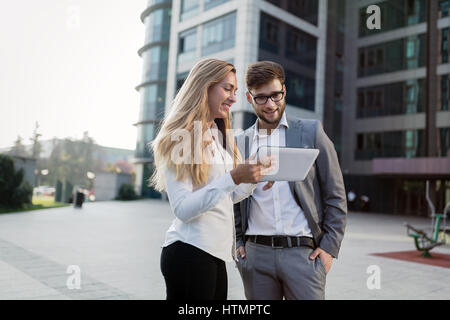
point(382, 94)
point(396, 87)
point(155, 52)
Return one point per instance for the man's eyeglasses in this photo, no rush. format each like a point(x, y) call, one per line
point(275, 97)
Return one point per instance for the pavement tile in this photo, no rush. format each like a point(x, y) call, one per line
point(117, 246)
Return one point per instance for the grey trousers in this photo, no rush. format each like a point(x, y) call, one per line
point(271, 274)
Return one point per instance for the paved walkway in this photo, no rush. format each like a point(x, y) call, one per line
point(116, 246)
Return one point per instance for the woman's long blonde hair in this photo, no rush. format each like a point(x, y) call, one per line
point(189, 105)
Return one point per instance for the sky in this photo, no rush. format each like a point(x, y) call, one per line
point(71, 66)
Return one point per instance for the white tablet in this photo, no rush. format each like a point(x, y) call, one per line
point(291, 164)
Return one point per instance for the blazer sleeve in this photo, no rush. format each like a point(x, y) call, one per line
point(333, 194)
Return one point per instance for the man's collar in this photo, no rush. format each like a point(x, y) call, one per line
point(283, 122)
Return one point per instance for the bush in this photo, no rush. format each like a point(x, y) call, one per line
point(126, 192)
point(13, 193)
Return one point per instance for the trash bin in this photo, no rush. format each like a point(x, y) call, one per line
point(79, 199)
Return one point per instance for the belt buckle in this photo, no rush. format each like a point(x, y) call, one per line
point(273, 244)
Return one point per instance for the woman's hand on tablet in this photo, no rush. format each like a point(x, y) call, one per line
point(250, 172)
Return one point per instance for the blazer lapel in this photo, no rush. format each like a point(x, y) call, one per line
point(294, 134)
point(294, 140)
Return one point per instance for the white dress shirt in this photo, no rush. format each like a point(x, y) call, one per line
point(275, 211)
point(204, 216)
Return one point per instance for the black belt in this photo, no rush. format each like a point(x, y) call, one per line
point(282, 241)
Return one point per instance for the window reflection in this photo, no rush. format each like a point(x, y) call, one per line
point(219, 34)
point(155, 63)
point(391, 99)
point(189, 8)
point(401, 54)
point(209, 4)
point(187, 46)
point(152, 102)
point(157, 25)
point(390, 144)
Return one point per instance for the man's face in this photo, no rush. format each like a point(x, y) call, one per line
point(270, 112)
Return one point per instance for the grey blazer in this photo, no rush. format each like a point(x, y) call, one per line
point(321, 195)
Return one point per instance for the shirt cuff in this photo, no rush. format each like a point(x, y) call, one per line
point(248, 187)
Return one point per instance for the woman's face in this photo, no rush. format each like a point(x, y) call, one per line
point(221, 96)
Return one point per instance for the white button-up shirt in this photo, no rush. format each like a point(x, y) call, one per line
point(275, 211)
point(204, 216)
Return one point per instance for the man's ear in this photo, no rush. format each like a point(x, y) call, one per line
point(249, 98)
point(284, 89)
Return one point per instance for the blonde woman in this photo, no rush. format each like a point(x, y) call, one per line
point(199, 166)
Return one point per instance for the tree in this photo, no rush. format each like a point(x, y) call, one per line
point(36, 147)
point(18, 149)
point(13, 193)
point(72, 159)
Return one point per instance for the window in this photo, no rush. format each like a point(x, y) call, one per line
point(411, 7)
point(375, 57)
point(361, 105)
point(380, 56)
point(189, 8)
point(362, 60)
point(304, 9)
point(392, 99)
point(444, 142)
point(445, 93)
point(390, 144)
point(370, 98)
point(411, 49)
point(300, 47)
point(269, 33)
point(209, 4)
point(219, 34)
point(378, 98)
point(444, 45)
point(152, 102)
point(411, 94)
point(187, 46)
point(392, 56)
point(155, 63)
point(360, 141)
point(157, 26)
point(395, 14)
point(300, 90)
point(444, 6)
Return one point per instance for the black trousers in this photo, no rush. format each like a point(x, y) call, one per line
point(193, 274)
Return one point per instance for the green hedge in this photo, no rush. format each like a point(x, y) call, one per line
point(126, 192)
point(14, 193)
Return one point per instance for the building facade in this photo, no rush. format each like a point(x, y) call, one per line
point(382, 95)
point(396, 93)
point(292, 33)
point(155, 52)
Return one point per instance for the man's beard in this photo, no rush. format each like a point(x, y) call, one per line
point(277, 120)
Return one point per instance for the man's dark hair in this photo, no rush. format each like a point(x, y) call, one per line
point(263, 72)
